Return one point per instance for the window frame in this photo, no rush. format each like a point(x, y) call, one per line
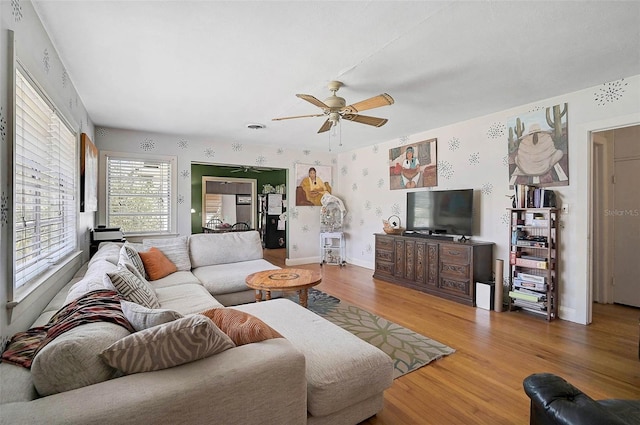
point(103, 204)
point(42, 278)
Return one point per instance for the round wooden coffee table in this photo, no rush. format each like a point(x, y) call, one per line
point(284, 280)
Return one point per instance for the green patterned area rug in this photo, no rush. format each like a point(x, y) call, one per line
point(409, 350)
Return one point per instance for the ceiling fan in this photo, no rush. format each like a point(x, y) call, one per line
point(248, 168)
point(335, 107)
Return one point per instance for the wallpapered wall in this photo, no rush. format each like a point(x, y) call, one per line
point(473, 154)
point(37, 53)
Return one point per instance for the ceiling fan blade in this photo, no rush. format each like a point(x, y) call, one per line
point(297, 116)
point(326, 126)
point(373, 102)
point(313, 100)
point(363, 119)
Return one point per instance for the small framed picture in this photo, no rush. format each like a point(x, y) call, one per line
point(243, 199)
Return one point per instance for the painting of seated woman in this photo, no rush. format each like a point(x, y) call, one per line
point(413, 165)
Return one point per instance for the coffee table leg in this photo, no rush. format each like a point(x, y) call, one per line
point(258, 295)
point(304, 295)
point(268, 297)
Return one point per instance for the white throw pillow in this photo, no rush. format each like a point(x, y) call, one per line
point(132, 288)
point(175, 249)
point(181, 341)
point(142, 317)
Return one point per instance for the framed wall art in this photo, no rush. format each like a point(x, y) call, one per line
point(413, 165)
point(538, 147)
point(88, 175)
point(312, 181)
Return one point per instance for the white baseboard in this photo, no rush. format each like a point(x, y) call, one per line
point(298, 261)
point(360, 263)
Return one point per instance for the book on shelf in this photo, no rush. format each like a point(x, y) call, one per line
point(531, 243)
point(531, 277)
point(533, 306)
point(533, 264)
point(528, 256)
point(531, 297)
point(519, 283)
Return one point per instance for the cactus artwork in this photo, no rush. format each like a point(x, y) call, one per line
point(538, 147)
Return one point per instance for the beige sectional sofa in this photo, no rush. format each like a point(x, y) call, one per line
point(317, 374)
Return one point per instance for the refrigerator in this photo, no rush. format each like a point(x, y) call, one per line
point(273, 229)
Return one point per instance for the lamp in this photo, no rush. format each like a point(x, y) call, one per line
point(336, 128)
point(193, 211)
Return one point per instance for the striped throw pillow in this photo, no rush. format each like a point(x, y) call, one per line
point(242, 328)
point(172, 344)
point(176, 250)
point(130, 259)
point(142, 317)
point(132, 288)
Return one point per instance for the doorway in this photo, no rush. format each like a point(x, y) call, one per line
point(615, 212)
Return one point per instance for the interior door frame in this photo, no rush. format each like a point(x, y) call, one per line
point(588, 129)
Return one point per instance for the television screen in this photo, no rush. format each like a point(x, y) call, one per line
point(441, 212)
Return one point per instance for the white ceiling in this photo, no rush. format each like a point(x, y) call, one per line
point(208, 68)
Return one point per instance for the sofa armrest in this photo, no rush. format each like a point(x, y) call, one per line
point(556, 401)
point(243, 385)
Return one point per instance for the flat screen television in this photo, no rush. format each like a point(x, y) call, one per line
point(440, 212)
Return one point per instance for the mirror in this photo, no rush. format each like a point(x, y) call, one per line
point(227, 201)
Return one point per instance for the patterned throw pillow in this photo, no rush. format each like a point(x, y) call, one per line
point(176, 250)
point(130, 258)
point(142, 317)
point(132, 288)
point(172, 344)
point(156, 264)
point(242, 328)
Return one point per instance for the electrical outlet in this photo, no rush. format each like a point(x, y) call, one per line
point(565, 208)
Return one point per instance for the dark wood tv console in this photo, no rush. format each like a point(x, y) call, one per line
point(445, 268)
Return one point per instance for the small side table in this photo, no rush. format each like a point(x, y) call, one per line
point(284, 280)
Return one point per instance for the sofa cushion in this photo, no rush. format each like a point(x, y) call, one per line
point(222, 248)
point(72, 359)
point(130, 259)
point(156, 264)
point(109, 251)
point(92, 280)
point(172, 344)
point(132, 288)
point(242, 328)
point(176, 250)
point(177, 278)
point(226, 278)
point(142, 317)
point(188, 298)
point(341, 373)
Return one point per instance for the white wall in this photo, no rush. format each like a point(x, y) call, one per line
point(473, 154)
point(37, 54)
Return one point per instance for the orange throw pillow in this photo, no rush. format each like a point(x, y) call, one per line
point(156, 264)
point(242, 328)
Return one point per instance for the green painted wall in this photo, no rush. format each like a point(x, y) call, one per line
point(198, 171)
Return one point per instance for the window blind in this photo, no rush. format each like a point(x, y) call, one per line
point(45, 206)
point(138, 194)
point(213, 207)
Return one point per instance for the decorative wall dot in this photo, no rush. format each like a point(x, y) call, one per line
point(395, 209)
point(537, 108)
point(496, 130)
point(505, 219)
point(354, 156)
point(368, 249)
point(380, 183)
point(344, 170)
point(375, 148)
point(487, 188)
point(16, 10)
point(183, 144)
point(102, 131)
point(378, 212)
point(307, 152)
point(474, 158)
point(294, 214)
point(354, 187)
point(317, 162)
point(70, 104)
point(610, 92)
point(367, 205)
point(261, 160)
point(403, 140)
point(334, 161)
point(365, 172)
point(147, 145)
point(362, 222)
point(445, 169)
point(46, 61)
point(454, 144)
point(505, 160)
point(185, 174)
point(209, 152)
point(295, 247)
point(305, 228)
point(237, 147)
point(180, 199)
point(280, 151)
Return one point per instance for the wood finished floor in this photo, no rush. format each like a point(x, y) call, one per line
point(481, 383)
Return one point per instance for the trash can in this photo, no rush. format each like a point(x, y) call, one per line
point(485, 295)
